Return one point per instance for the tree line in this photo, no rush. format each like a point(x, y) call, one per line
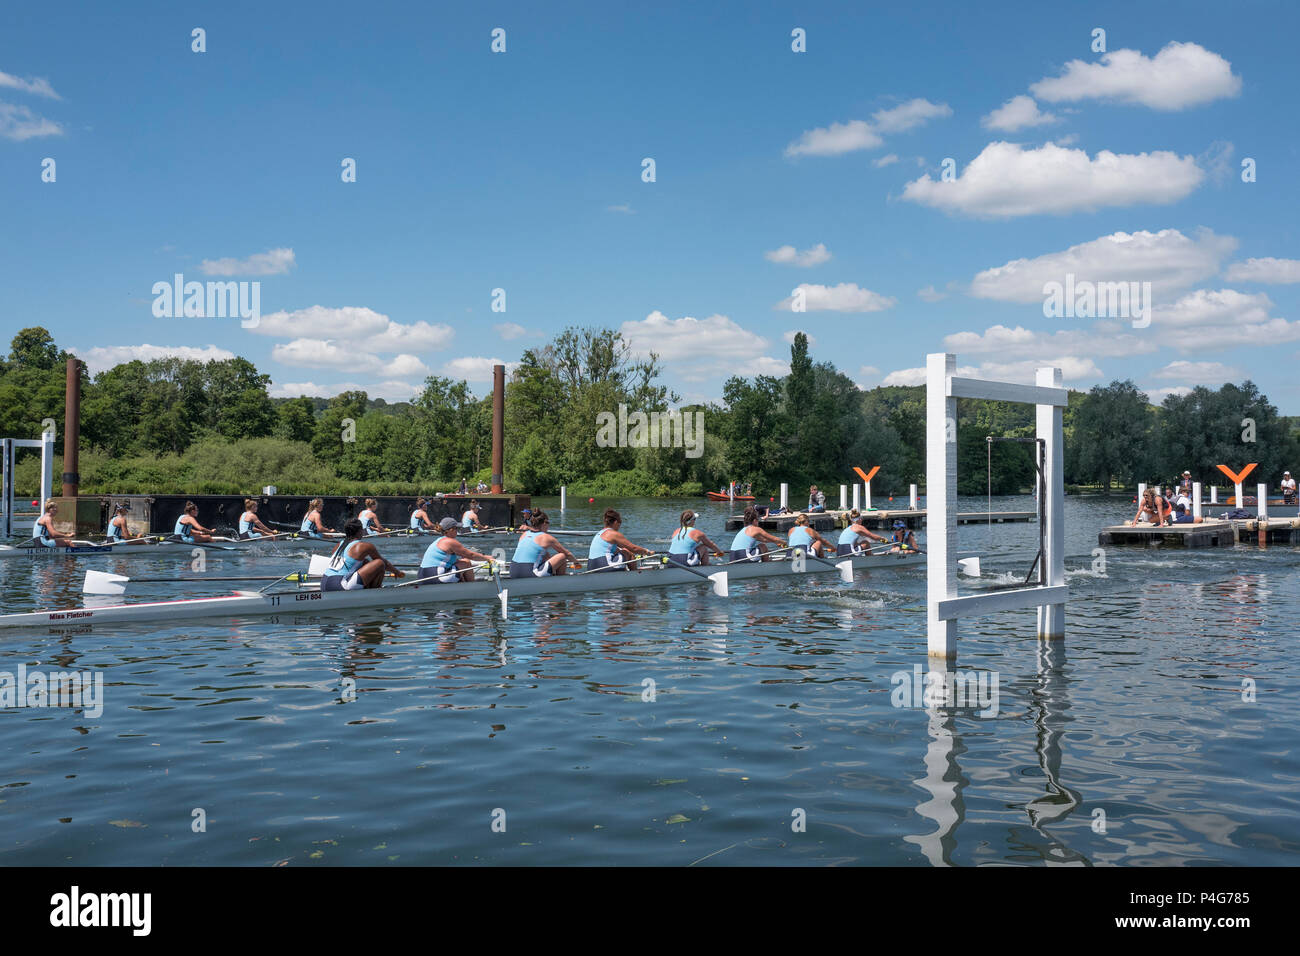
point(177, 426)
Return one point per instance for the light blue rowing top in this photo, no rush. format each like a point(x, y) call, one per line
point(368, 521)
point(185, 531)
point(848, 536)
point(600, 548)
point(435, 557)
point(800, 538)
point(529, 551)
point(308, 525)
point(742, 541)
point(246, 526)
point(682, 542)
point(417, 523)
point(342, 563)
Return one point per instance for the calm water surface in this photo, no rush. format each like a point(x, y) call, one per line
point(774, 701)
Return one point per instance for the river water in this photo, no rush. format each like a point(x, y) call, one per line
point(673, 727)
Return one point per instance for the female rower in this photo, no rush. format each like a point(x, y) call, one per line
point(249, 524)
point(803, 535)
point(902, 539)
point(691, 546)
point(748, 545)
point(117, 530)
point(447, 560)
point(610, 548)
point(533, 557)
point(312, 526)
point(420, 523)
point(44, 532)
point(469, 520)
point(851, 538)
point(369, 520)
point(356, 564)
point(188, 530)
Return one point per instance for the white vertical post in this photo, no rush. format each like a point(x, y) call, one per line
point(1261, 496)
point(563, 496)
point(1214, 494)
point(785, 494)
point(1241, 502)
point(857, 496)
point(1142, 489)
point(844, 496)
point(941, 497)
point(866, 494)
point(911, 498)
point(47, 472)
point(1196, 499)
point(1051, 617)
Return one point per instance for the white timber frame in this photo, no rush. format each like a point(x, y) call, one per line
point(944, 605)
point(7, 446)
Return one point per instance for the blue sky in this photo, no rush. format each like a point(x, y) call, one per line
point(522, 171)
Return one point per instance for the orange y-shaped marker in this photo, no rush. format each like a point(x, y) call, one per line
point(865, 476)
point(1237, 479)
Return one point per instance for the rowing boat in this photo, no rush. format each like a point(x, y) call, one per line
point(159, 546)
point(309, 599)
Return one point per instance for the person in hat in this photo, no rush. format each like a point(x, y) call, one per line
point(902, 538)
point(1288, 488)
point(117, 531)
point(804, 535)
point(447, 560)
point(525, 519)
point(816, 499)
point(689, 545)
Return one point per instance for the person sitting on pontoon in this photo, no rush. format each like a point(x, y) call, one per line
point(538, 554)
point(369, 520)
point(447, 559)
point(43, 530)
point(689, 545)
point(804, 535)
point(854, 536)
point(1288, 489)
point(420, 523)
point(1184, 516)
point(750, 542)
point(249, 525)
point(610, 548)
point(903, 539)
point(312, 525)
point(188, 530)
point(356, 564)
point(816, 499)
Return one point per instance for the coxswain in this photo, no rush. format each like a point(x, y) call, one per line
point(188, 530)
point(43, 531)
point(610, 548)
point(902, 538)
point(748, 544)
point(420, 523)
point(447, 560)
point(525, 516)
point(804, 535)
point(538, 554)
point(356, 564)
point(249, 525)
point(854, 536)
point(312, 525)
point(689, 545)
point(369, 520)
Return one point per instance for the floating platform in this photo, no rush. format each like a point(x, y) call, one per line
point(876, 519)
point(1213, 533)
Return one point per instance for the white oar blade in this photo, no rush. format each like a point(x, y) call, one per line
point(101, 582)
point(719, 581)
point(969, 566)
point(504, 595)
point(846, 571)
point(318, 566)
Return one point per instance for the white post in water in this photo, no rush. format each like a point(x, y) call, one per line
point(1261, 498)
point(785, 494)
point(563, 496)
point(844, 496)
point(1241, 502)
point(911, 499)
point(1196, 499)
point(1214, 494)
point(944, 605)
point(857, 492)
point(866, 493)
point(1142, 490)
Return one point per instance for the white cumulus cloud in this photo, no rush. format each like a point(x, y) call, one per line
point(105, 357)
point(1179, 76)
point(845, 297)
point(33, 84)
point(908, 115)
point(707, 341)
point(1268, 271)
point(1007, 180)
point(836, 139)
point(270, 263)
point(372, 331)
point(19, 123)
point(1199, 373)
point(474, 369)
point(1019, 112)
point(789, 256)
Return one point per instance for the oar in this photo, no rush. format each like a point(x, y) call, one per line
point(716, 578)
point(102, 582)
